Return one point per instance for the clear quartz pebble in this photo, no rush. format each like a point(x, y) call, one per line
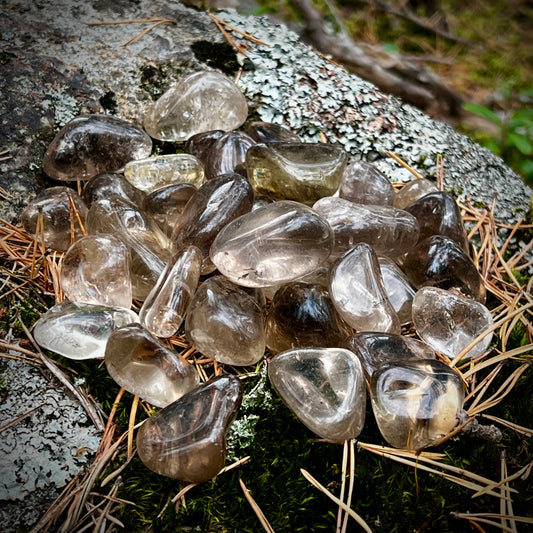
point(94, 144)
point(155, 172)
point(107, 185)
point(166, 205)
point(357, 290)
point(187, 439)
point(303, 172)
point(164, 309)
point(279, 242)
point(376, 349)
point(58, 217)
point(200, 102)
point(398, 288)
point(211, 208)
point(440, 262)
point(324, 388)
point(302, 314)
point(264, 132)
point(449, 322)
point(390, 231)
point(413, 191)
point(144, 366)
point(228, 154)
point(96, 270)
point(416, 402)
point(364, 183)
point(80, 331)
point(226, 322)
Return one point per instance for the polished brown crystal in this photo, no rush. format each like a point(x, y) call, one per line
point(187, 439)
point(264, 132)
point(228, 154)
point(198, 145)
point(413, 191)
point(106, 185)
point(363, 183)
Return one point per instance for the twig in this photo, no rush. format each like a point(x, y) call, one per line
point(257, 510)
point(19, 418)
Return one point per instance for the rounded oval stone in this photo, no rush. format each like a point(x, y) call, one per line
point(324, 388)
point(228, 154)
point(226, 322)
point(265, 132)
point(198, 145)
point(413, 191)
point(94, 144)
point(200, 102)
point(390, 231)
point(144, 366)
point(449, 322)
point(416, 402)
point(96, 270)
point(364, 183)
point(357, 289)
point(187, 439)
point(279, 242)
point(80, 331)
point(57, 215)
point(105, 185)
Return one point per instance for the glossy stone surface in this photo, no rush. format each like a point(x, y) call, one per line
point(363, 183)
point(413, 191)
point(226, 322)
point(398, 288)
point(200, 102)
point(166, 205)
point(390, 231)
point(94, 144)
point(152, 173)
point(198, 145)
point(303, 172)
point(416, 402)
point(106, 185)
point(302, 314)
point(211, 208)
point(144, 366)
point(57, 213)
point(187, 439)
point(440, 262)
point(357, 289)
point(438, 214)
point(324, 388)
point(280, 242)
point(376, 349)
point(164, 309)
point(96, 270)
point(228, 154)
point(80, 331)
point(264, 132)
point(449, 322)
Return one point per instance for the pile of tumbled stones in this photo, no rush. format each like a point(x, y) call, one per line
point(206, 238)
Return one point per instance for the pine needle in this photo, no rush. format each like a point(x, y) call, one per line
point(257, 510)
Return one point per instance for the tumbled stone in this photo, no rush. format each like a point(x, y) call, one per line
point(440, 262)
point(357, 290)
point(413, 191)
point(363, 183)
point(319, 276)
point(376, 349)
point(203, 101)
point(216, 203)
point(80, 331)
point(449, 322)
point(390, 231)
point(398, 288)
point(58, 217)
point(303, 172)
point(280, 242)
point(187, 439)
point(302, 314)
point(144, 366)
point(416, 402)
point(226, 322)
point(94, 144)
point(198, 145)
point(228, 154)
point(96, 270)
point(265, 132)
point(152, 173)
point(164, 309)
point(324, 388)
point(107, 185)
point(261, 201)
point(438, 214)
point(166, 205)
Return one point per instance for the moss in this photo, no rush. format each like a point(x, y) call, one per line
point(220, 56)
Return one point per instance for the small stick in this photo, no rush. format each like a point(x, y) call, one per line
point(131, 424)
point(228, 36)
point(233, 28)
point(404, 164)
point(19, 418)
